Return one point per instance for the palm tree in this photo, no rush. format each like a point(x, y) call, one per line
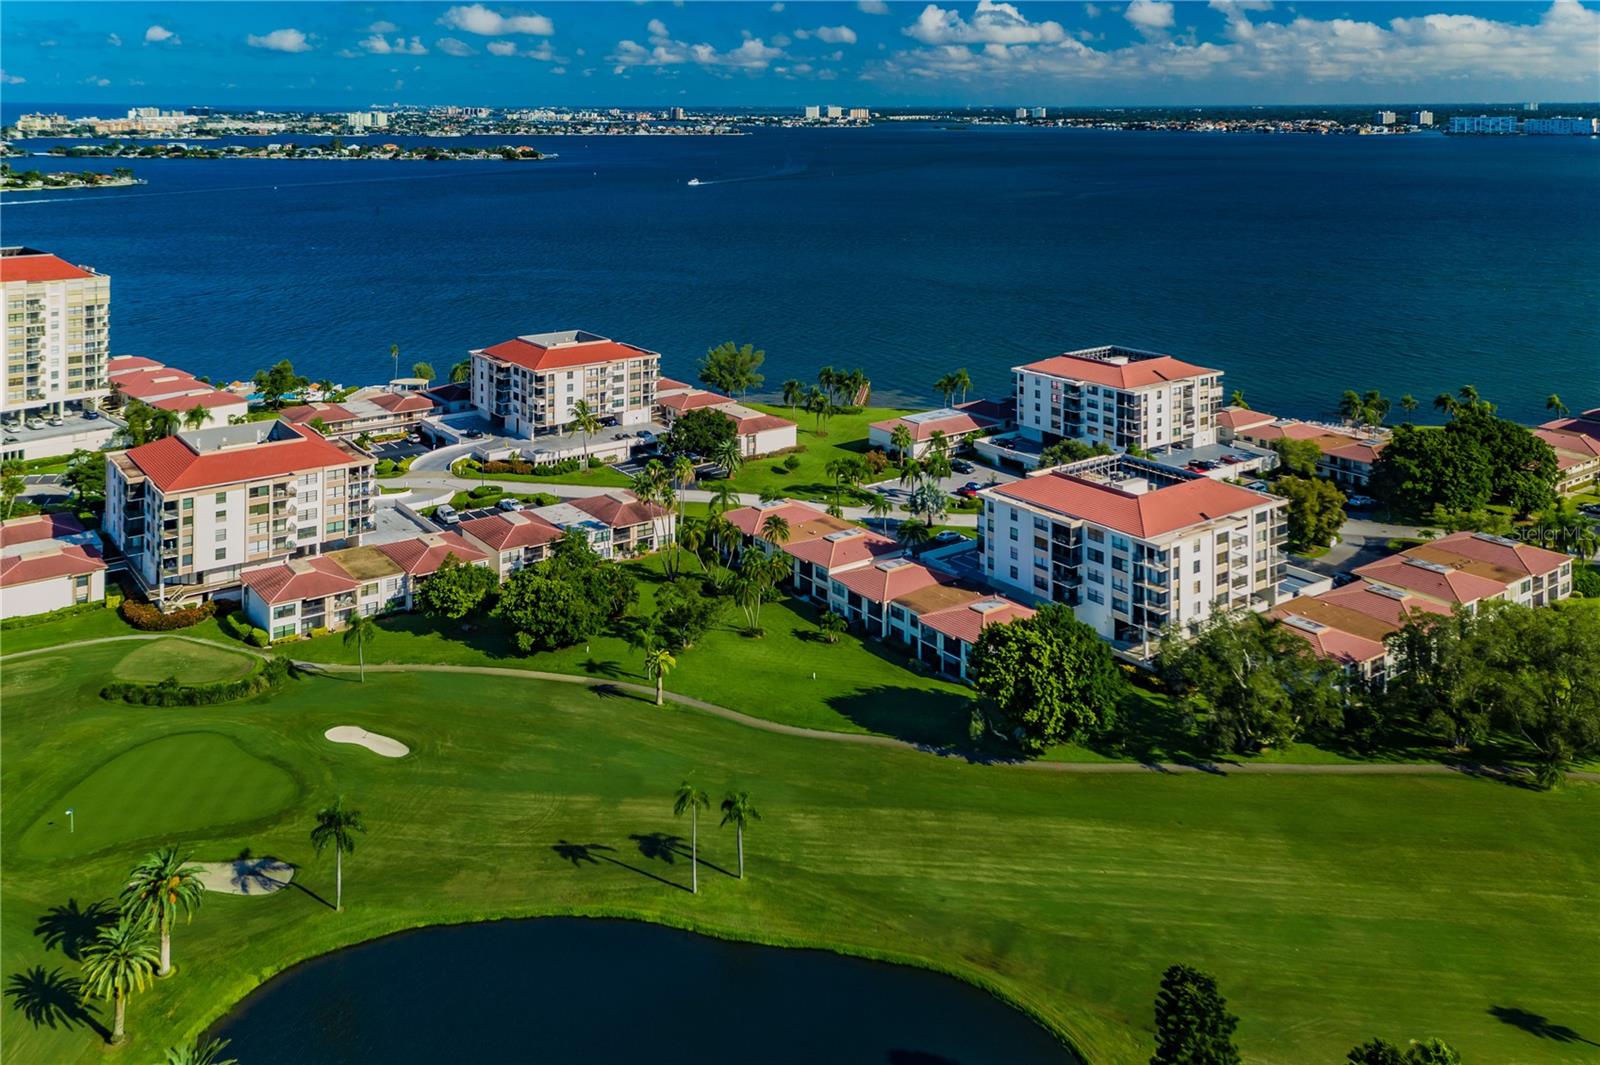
point(1469, 395)
point(946, 387)
point(729, 455)
point(364, 441)
point(394, 353)
point(162, 885)
point(724, 497)
point(200, 1054)
point(1374, 407)
point(327, 388)
point(901, 440)
point(856, 386)
point(1237, 400)
point(120, 961)
point(1445, 403)
point(1553, 404)
point(828, 382)
point(881, 506)
point(423, 370)
point(831, 625)
point(816, 402)
point(739, 811)
point(794, 393)
point(164, 422)
point(1408, 403)
point(196, 417)
point(336, 827)
point(963, 381)
point(693, 800)
point(658, 662)
point(775, 530)
point(913, 532)
point(585, 421)
point(461, 372)
point(361, 631)
point(910, 470)
point(692, 537)
point(1350, 406)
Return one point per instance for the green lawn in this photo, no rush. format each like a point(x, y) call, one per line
point(191, 663)
point(603, 476)
point(1331, 909)
point(847, 438)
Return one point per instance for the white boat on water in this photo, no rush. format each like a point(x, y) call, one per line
point(694, 181)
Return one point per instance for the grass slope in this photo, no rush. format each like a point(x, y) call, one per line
point(1331, 909)
point(847, 438)
point(191, 663)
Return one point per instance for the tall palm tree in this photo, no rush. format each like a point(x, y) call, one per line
point(1445, 403)
point(913, 532)
point(1350, 408)
point(691, 799)
point(794, 393)
point(1553, 404)
point(1408, 403)
point(775, 530)
point(729, 455)
point(161, 886)
point(200, 1054)
point(856, 386)
point(963, 381)
point(1374, 407)
point(658, 662)
point(327, 388)
point(739, 811)
point(881, 506)
point(828, 382)
point(120, 961)
point(336, 827)
point(361, 631)
point(1468, 394)
point(902, 441)
point(585, 421)
point(164, 422)
point(394, 353)
point(692, 537)
point(910, 470)
point(1237, 399)
point(196, 417)
point(946, 387)
point(724, 497)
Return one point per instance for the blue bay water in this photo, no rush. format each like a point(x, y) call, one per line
point(1301, 266)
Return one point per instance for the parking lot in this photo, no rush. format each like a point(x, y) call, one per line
point(981, 476)
point(399, 450)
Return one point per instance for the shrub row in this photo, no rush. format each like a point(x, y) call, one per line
point(235, 624)
point(170, 692)
point(149, 618)
point(519, 466)
point(30, 620)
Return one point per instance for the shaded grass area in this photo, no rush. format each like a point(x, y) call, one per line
point(1331, 909)
point(846, 438)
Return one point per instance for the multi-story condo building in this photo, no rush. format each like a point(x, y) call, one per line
point(1119, 397)
point(531, 385)
point(193, 511)
point(58, 334)
point(1133, 546)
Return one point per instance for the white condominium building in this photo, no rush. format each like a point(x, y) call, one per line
point(193, 511)
point(1133, 546)
point(58, 333)
point(531, 385)
point(1119, 397)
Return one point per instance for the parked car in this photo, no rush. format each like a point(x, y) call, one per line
point(647, 436)
point(1257, 486)
point(446, 515)
point(90, 415)
point(949, 536)
point(473, 434)
point(1361, 501)
point(1342, 579)
point(969, 490)
point(413, 438)
point(1207, 464)
point(508, 504)
point(961, 466)
point(58, 420)
point(1591, 509)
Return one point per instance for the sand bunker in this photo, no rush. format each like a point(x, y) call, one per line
point(373, 742)
point(246, 876)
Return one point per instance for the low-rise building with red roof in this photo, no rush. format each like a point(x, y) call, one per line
point(1468, 568)
point(305, 596)
point(369, 412)
point(1348, 454)
point(946, 637)
point(1352, 625)
point(512, 540)
point(954, 425)
point(1576, 442)
point(758, 432)
point(48, 562)
point(817, 560)
point(1121, 397)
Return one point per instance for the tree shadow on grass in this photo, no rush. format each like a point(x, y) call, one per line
point(608, 668)
point(935, 721)
point(70, 928)
point(596, 853)
point(666, 847)
point(1537, 1025)
point(51, 999)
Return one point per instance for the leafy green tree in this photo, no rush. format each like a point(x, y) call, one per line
point(163, 886)
point(831, 626)
point(1432, 1051)
point(1375, 1052)
point(277, 381)
point(1433, 683)
point(1249, 683)
point(11, 486)
point(455, 589)
point(1315, 512)
point(1298, 458)
point(701, 432)
point(1586, 580)
point(120, 962)
point(318, 425)
point(732, 368)
point(1069, 450)
point(545, 612)
point(197, 1053)
point(86, 476)
point(423, 370)
point(1045, 679)
point(739, 811)
point(337, 827)
point(691, 800)
point(1193, 1025)
point(136, 416)
point(1422, 467)
point(685, 612)
point(360, 631)
point(461, 372)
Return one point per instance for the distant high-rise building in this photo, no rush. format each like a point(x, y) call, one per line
point(1483, 124)
point(1037, 112)
point(1557, 126)
point(679, 114)
point(859, 114)
point(835, 111)
point(1383, 118)
point(1422, 118)
point(813, 111)
point(1022, 112)
point(1531, 105)
point(59, 336)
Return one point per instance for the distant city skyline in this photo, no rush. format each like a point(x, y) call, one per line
point(777, 54)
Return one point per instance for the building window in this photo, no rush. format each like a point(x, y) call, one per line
point(222, 553)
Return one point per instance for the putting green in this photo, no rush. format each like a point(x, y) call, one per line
point(191, 663)
point(188, 783)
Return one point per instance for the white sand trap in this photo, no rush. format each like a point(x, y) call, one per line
point(246, 876)
point(389, 748)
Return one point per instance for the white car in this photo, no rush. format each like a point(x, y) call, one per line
point(446, 515)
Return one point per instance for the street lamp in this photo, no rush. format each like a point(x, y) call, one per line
point(72, 823)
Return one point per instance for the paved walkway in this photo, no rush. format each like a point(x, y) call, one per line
point(1357, 769)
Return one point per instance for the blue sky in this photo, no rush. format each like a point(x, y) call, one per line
point(786, 53)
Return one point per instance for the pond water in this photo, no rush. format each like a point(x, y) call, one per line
point(575, 990)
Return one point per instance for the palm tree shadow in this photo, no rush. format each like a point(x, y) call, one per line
point(1537, 1025)
point(607, 668)
point(594, 854)
point(71, 929)
point(670, 848)
point(301, 887)
point(51, 1000)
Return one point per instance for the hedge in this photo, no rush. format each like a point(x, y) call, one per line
point(171, 693)
point(149, 618)
point(30, 620)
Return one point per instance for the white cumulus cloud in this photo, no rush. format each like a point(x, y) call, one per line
point(485, 22)
point(378, 44)
point(451, 46)
point(1150, 16)
point(836, 34)
point(382, 26)
point(284, 40)
point(501, 48)
point(991, 23)
point(752, 55)
point(11, 79)
point(159, 34)
point(872, 7)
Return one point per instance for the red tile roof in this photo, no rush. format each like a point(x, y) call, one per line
point(1525, 560)
point(172, 465)
point(1434, 580)
point(668, 384)
point(1351, 623)
point(846, 548)
point(620, 509)
point(966, 623)
point(887, 580)
point(398, 403)
point(750, 520)
point(301, 578)
point(760, 423)
point(531, 356)
point(330, 413)
point(67, 560)
point(37, 527)
point(423, 555)
point(692, 400)
point(1157, 511)
point(1575, 443)
point(1586, 424)
point(1134, 374)
point(505, 532)
point(40, 267)
point(957, 423)
point(1242, 417)
point(120, 364)
point(204, 399)
point(153, 384)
